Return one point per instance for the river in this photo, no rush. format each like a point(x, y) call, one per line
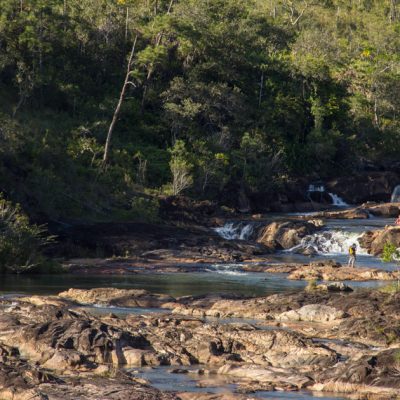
point(331, 242)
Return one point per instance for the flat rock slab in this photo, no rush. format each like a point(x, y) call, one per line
point(312, 313)
point(328, 272)
point(116, 297)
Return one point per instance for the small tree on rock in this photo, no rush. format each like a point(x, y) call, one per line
point(181, 168)
point(392, 254)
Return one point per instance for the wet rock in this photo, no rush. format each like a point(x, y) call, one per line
point(285, 234)
point(385, 210)
point(312, 313)
point(354, 213)
point(308, 251)
point(325, 263)
point(117, 297)
point(335, 287)
point(375, 241)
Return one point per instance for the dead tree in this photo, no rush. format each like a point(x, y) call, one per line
point(127, 82)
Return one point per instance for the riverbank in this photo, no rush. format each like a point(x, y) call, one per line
point(309, 340)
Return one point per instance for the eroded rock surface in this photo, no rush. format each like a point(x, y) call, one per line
point(116, 297)
point(320, 340)
point(285, 234)
point(327, 270)
point(375, 241)
point(312, 313)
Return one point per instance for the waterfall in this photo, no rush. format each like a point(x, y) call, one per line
point(330, 242)
point(396, 195)
point(235, 230)
point(337, 201)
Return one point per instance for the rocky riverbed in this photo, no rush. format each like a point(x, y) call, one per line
point(54, 347)
point(243, 343)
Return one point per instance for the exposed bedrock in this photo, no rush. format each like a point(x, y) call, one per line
point(285, 234)
point(375, 241)
point(50, 348)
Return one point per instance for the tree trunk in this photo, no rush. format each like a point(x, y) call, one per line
point(126, 24)
point(118, 108)
point(376, 118)
point(261, 89)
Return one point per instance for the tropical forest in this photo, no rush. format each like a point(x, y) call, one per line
point(199, 199)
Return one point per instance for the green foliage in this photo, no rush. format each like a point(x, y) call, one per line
point(256, 91)
point(181, 168)
point(396, 357)
point(392, 254)
point(392, 288)
point(145, 209)
point(20, 242)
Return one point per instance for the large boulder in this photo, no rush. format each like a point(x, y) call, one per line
point(375, 241)
point(285, 234)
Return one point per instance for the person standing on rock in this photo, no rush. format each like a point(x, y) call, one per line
point(352, 255)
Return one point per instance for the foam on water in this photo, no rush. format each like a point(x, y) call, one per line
point(338, 201)
point(227, 269)
point(235, 230)
point(331, 242)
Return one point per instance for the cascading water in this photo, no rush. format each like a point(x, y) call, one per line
point(396, 195)
point(227, 269)
point(337, 201)
point(330, 242)
point(235, 230)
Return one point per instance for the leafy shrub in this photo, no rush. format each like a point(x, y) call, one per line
point(145, 209)
point(20, 241)
point(392, 254)
point(392, 288)
point(180, 168)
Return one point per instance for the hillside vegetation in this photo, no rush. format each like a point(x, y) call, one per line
point(220, 96)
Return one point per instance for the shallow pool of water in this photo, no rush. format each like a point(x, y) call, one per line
point(174, 284)
point(162, 379)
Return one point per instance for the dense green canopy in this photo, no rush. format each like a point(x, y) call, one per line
point(223, 94)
